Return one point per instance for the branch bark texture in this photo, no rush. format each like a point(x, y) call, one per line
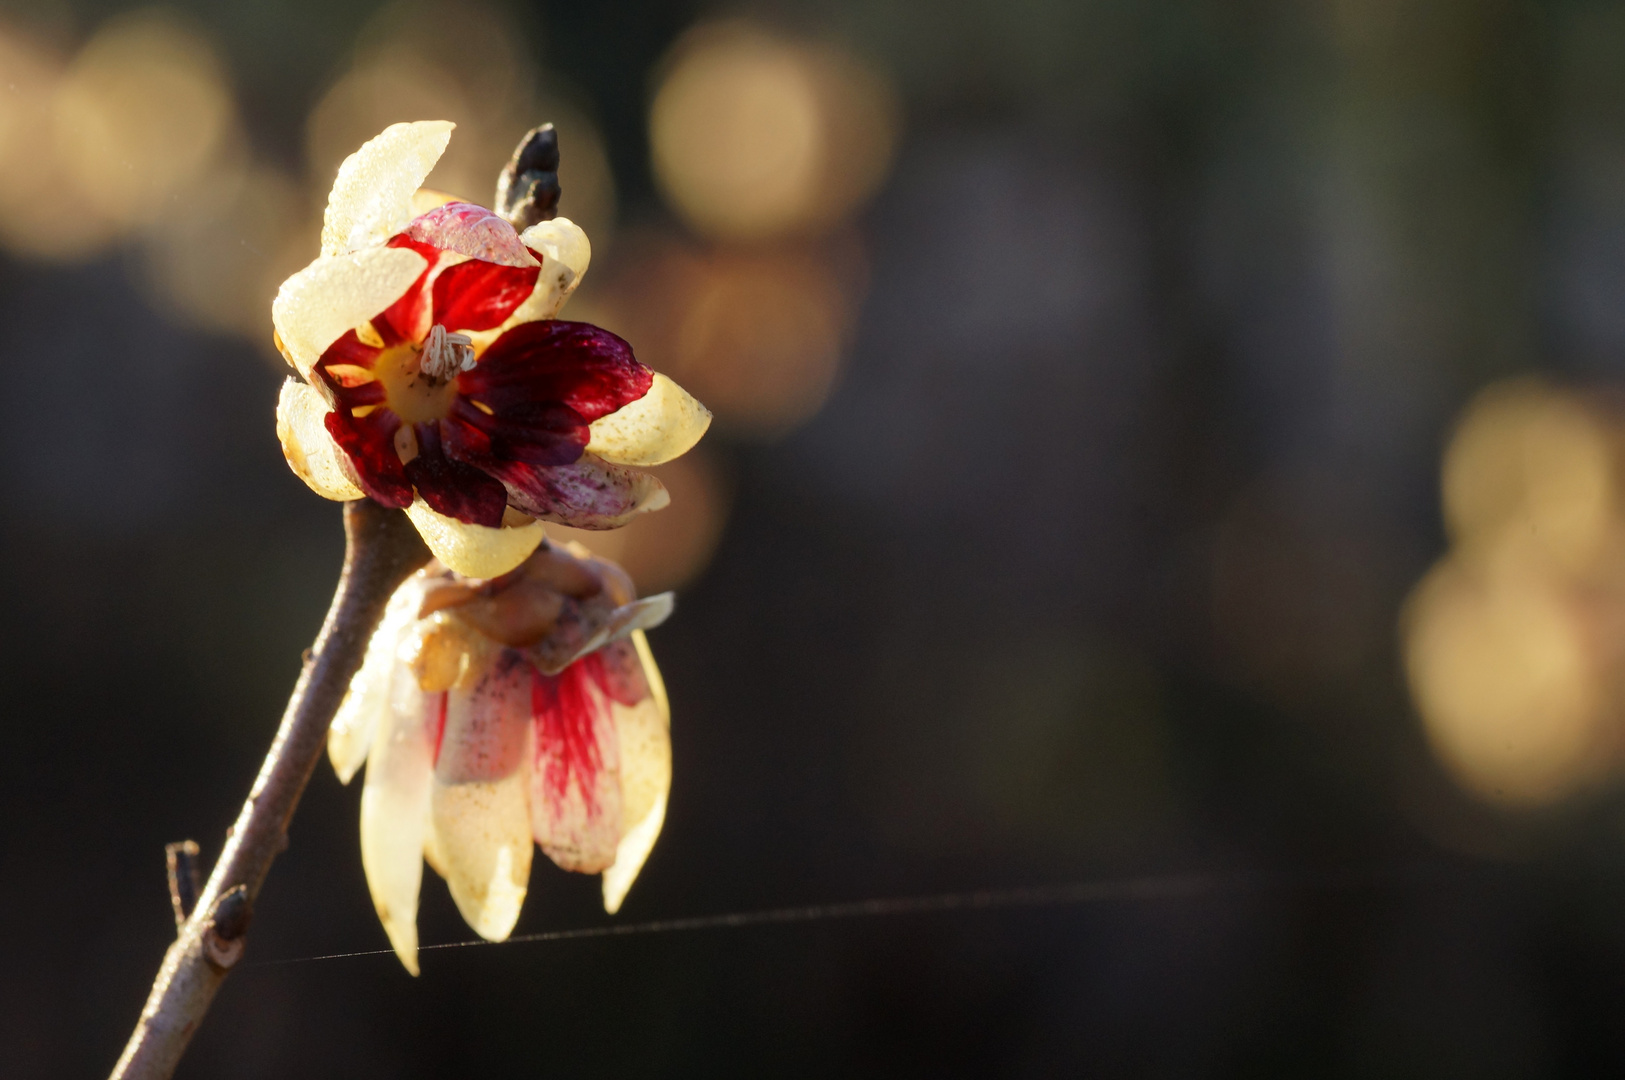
point(383, 550)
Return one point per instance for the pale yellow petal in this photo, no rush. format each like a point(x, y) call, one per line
point(336, 293)
point(644, 735)
point(311, 452)
point(482, 838)
point(371, 198)
point(661, 425)
point(368, 699)
point(395, 811)
point(630, 856)
point(565, 252)
point(474, 550)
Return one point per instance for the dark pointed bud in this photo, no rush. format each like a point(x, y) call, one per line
point(185, 877)
point(528, 187)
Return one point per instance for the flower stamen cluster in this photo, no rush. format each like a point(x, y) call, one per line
point(444, 355)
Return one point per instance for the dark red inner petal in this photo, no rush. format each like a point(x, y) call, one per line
point(451, 487)
point(370, 443)
point(350, 349)
point(575, 364)
point(562, 709)
point(479, 295)
point(543, 433)
point(588, 494)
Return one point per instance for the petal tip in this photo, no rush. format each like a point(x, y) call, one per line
point(662, 425)
point(474, 550)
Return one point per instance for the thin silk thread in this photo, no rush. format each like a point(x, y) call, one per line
point(1167, 887)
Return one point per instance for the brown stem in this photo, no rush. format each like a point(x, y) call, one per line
point(383, 550)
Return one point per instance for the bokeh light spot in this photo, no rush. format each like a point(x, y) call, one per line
point(753, 136)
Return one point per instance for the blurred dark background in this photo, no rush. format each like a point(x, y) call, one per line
point(1082, 370)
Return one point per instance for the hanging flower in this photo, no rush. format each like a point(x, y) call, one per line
point(492, 714)
point(435, 378)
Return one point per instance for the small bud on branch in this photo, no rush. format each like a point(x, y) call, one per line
point(528, 188)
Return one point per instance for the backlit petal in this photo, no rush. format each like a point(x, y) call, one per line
point(575, 785)
point(661, 425)
point(371, 198)
point(479, 803)
point(470, 230)
point(643, 732)
point(336, 293)
point(395, 810)
point(311, 452)
point(368, 698)
point(474, 550)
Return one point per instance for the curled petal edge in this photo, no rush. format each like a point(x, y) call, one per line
point(565, 252)
point(311, 452)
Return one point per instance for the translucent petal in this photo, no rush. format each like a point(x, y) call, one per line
point(644, 734)
point(337, 293)
point(395, 810)
point(630, 856)
point(663, 424)
point(368, 698)
point(311, 452)
point(371, 198)
point(575, 785)
point(482, 837)
point(479, 803)
point(474, 550)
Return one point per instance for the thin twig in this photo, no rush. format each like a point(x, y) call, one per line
point(383, 550)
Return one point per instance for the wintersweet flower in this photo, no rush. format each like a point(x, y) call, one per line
point(494, 714)
point(435, 378)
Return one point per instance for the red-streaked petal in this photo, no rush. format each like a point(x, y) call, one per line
point(575, 792)
point(480, 295)
point(451, 487)
point(575, 364)
point(544, 433)
point(407, 319)
point(479, 799)
point(370, 444)
point(587, 494)
point(483, 737)
point(470, 230)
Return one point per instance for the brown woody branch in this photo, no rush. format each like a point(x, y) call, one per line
point(383, 550)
